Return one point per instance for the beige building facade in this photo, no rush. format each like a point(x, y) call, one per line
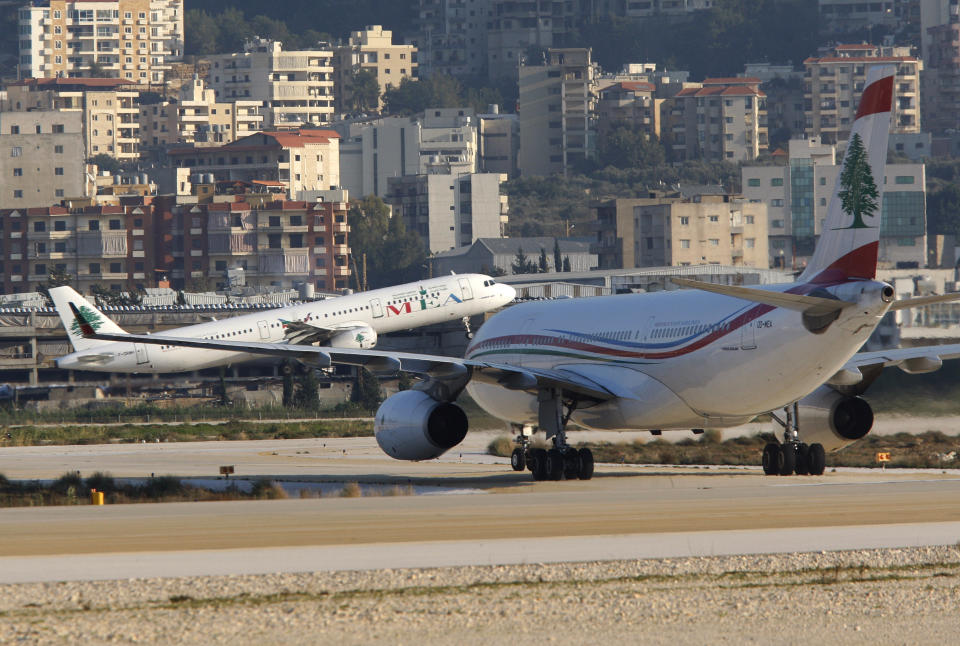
point(196, 117)
point(108, 109)
point(129, 39)
point(722, 119)
point(42, 158)
point(372, 49)
point(833, 84)
point(670, 230)
point(296, 87)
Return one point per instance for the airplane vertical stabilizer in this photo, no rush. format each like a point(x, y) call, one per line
point(850, 239)
point(62, 297)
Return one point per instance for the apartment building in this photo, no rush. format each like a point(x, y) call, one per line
point(129, 39)
point(647, 8)
point(296, 87)
point(664, 230)
point(632, 103)
point(279, 243)
point(557, 127)
point(840, 16)
point(515, 27)
point(111, 246)
point(797, 196)
point(294, 161)
point(834, 82)
point(196, 117)
point(42, 159)
point(722, 119)
point(450, 211)
point(499, 142)
point(452, 37)
point(941, 77)
point(373, 50)
point(442, 140)
point(108, 107)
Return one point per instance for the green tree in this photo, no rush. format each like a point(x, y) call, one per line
point(286, 369)
point(405, 382)
point(557, 258)
point(858, 194)
point(201, 33)
point(307, 390)
point(624, 146)
point(522, 264)
point(542, 265)
point(366, 390)
point(566, 263)
point(394, 254)
point(106, 162)
point(56, 278)
point(235, 30)
point(364, 91)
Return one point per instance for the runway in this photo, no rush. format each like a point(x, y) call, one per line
point(624, 512)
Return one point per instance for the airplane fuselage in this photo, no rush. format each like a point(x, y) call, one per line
point(677, 359)
point(384, 310)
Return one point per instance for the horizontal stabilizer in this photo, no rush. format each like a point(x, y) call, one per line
point(799, 302)
point(920, 301)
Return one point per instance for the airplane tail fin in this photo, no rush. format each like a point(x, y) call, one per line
point(850, 239)
point(62, 297)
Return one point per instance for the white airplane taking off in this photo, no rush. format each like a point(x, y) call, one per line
point(712, 356)
point(352, 321)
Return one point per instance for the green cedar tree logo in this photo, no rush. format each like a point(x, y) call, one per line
point(91, 317)
point(858, 194)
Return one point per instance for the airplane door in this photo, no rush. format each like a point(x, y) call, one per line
point(141, 351)
point(748, 336)
point(264, 330)
point(375, 308)
point(465, 290)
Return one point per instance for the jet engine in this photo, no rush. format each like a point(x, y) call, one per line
point(412, 425)
point(832, 419)
point(355, 337)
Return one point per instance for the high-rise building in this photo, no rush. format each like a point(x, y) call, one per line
point(452, 37)
point(129, 39)
point(296, 87)
point(108, 108)
point(43, 159)
point(371, 49)
point(798, 195)
point(557, 124)
point(941, 77)
point(723, 119)
point(833, 84)
point(450, 211)
point(196, 117)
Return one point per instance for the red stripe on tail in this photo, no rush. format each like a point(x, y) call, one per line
point(877, 97)
point(859, 263)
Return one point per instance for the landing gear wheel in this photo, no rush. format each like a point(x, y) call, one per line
point(816, 459)
point(787, 461)
point(554, 470)
point(538, 464)
point(586, 464)
point(571, 464)
point(518, 459)
point(803, 460)
point(771, 457)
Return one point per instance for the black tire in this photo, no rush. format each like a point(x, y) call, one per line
point(518, 460)
point(538, 464)
point(803, 460)
point(787, 462)
point(571, 464)
point(771, 458)
point(554, 470)
point(586, 464)
point(817, 459)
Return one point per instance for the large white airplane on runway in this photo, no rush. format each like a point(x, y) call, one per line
point(712, 356)
point(352, 321)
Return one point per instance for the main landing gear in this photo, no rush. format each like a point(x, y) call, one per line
point(793, 456)
point(562, 462)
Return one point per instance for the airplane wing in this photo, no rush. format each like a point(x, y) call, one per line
point(864, 367)
point(438, 368)
point(302, 333)
point(799, 302)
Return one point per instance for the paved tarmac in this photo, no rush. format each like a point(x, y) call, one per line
point(624, 512)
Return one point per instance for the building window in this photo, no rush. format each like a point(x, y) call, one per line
point(14, 130)
point(776, 202)
point(60, 247)
point(94, 225)
point(58, 150)
point(115, 268)
point(776, 224)
point(94, 267)
point(714, 242)
point(684, 220)
point(714, 218)
point(59, 225)
point(684, 244)
point(115, 225)
point(748, 219)
point(274, 221)
point(750, 243)
point(274, 240)
point(41, 270)
point(58, 170)
point(18, 172)
point(753, 181)
point(16, 151)
point(904, 179)
point(17, 194)
point(776, 181)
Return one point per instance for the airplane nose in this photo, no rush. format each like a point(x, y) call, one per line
point(509, 293)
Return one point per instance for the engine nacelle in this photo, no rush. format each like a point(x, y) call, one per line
point(412, 425)
point(355, 337)
point(832, 419)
